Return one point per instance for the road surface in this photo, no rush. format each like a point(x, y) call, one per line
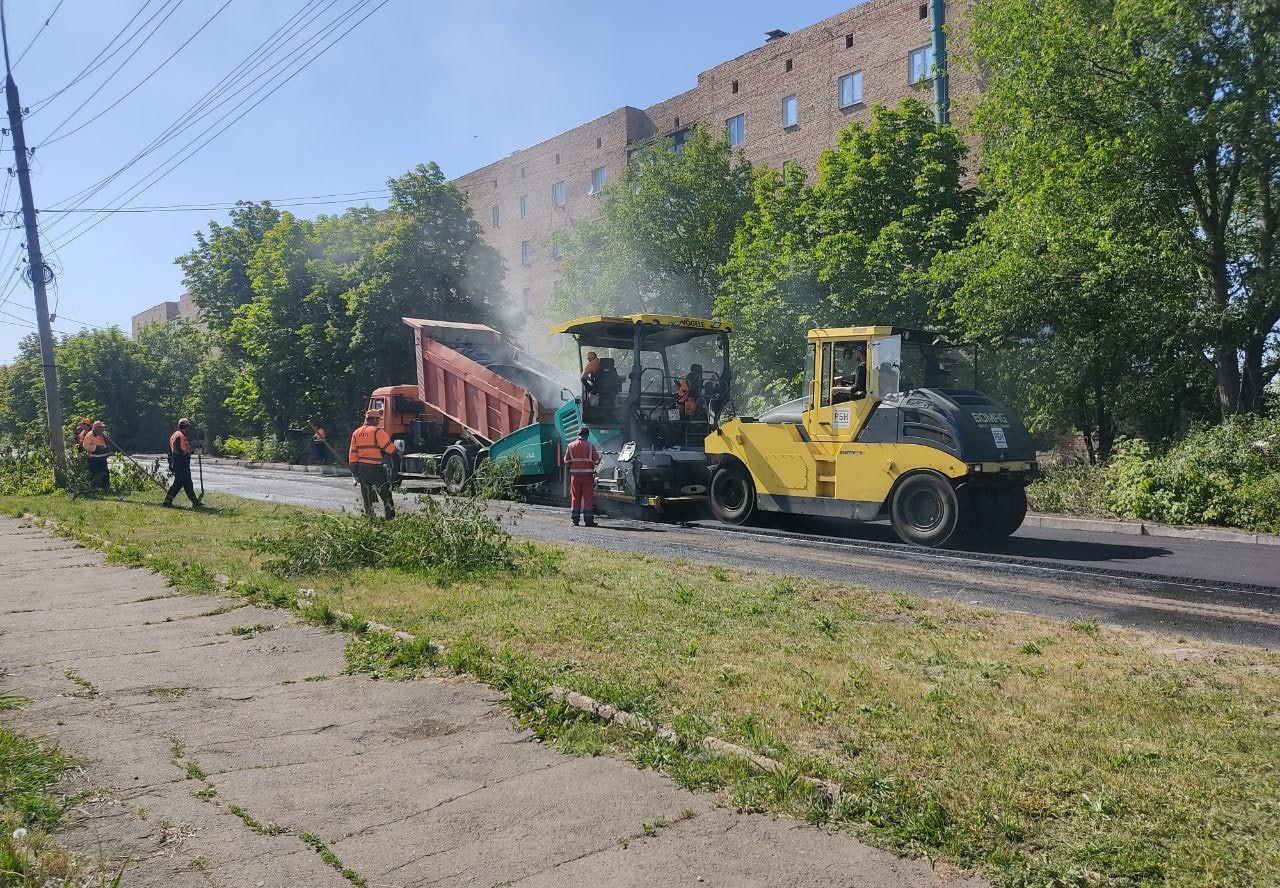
point(1216, 591)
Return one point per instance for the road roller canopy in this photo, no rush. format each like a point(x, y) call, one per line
point(619, 331)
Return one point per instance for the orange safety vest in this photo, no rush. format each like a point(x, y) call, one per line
point(686, 399)
point(91, 441)
point(368, 444)
point(178, 442)
point(581, 457)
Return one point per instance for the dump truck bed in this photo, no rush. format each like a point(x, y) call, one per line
point(469, 375)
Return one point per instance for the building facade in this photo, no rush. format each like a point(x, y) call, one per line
point(166, 312)
point(785, 101)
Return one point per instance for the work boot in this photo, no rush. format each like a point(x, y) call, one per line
point(590, 519)
point(168, 503)
point(574, 519)
point(391, 513)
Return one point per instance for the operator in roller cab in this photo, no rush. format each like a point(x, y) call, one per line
point(653, 386)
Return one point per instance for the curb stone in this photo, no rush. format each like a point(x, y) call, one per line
point(1152, 529)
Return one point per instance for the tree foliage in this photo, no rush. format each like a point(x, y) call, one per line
point(661, 234)
point(855, 247)
point(1162, 120)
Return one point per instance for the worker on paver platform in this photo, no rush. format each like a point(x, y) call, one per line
point(180, 465)
point(689, 390)
point(581, 458)
point(94, 442)
point(370, 447)
point(590, 376)
point(319, 446)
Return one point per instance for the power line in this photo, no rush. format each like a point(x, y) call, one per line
point(198, 208)
point(186, 119)
point(127, 59)
point(37, 34)
point(93, 63)
point(55, 138)
point(160, 172)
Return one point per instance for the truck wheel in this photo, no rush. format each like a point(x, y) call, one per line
point(454, 472)
point(732, 494)
point(925, 510)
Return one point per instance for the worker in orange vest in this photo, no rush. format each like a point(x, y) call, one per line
point(94, 442)
point(370, 446)
point(82, 427)
point(688, 391)
point(581, 459)
point(180, 465)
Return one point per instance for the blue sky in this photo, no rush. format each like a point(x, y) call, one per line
point(461, 83)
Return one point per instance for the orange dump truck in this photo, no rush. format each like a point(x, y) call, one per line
point(474, 387)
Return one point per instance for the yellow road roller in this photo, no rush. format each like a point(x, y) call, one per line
point(889, 424)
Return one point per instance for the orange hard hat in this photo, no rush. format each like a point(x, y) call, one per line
point(85, 421)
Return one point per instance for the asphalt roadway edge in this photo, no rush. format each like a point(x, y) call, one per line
point(1033, 519)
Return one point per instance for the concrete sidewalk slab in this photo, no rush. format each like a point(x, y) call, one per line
point(408, 784)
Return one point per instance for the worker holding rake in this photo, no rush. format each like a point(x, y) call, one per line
point(370, 446)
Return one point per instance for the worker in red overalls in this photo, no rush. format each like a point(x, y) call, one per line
point(581, 459)
point(370, 447)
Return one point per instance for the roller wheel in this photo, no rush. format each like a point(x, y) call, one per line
point(454, 472)
point(732, 494)
point(1010, 510)
point(994, 512)
point(925, 510)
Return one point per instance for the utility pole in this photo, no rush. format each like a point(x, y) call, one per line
point(40, 273)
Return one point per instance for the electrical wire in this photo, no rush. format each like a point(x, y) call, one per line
point(92, 65)
point(200, 208)
point(54, 137)
point(196, 109)
point(161, 172)
point(120, 67)
point(37, 34)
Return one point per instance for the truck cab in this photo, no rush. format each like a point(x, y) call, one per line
point(889, 424)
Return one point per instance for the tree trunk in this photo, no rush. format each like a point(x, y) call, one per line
point(1086, 430)
point(1226, 370)
point(1252, 385)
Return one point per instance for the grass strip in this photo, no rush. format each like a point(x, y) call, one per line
point(1040, 752)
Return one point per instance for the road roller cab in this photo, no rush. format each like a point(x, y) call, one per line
point(889, 424)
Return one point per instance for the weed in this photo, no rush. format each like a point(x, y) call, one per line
point(384, 656)
point(12, 701)
point(682, 594)
point(167, 693)
point(1031, 648)
point(199, 862)
point(223, 609)
point(1088, 627)
point(903, 602)
point(318, 845)
point(263, 829)
point(250, 631)
point(87, 688)
point(205, 793)
point(321, 677)
point(826, 625)
point(194, 771)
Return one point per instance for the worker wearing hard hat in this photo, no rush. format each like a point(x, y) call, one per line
point(82, 428)
point(95, 443)
point(180, 464)
point(581, 459)
point(370, 446)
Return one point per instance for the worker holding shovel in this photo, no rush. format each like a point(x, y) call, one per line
point(180, 465)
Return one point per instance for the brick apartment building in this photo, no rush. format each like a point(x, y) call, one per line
point(784, 101)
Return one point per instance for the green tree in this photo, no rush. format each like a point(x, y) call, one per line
point(662, 232)
point(170, 356)
point(1171, 108)
point(216, 272)
point(853, 248)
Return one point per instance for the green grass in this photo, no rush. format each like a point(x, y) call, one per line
point(29, 772)
point(1040, 752)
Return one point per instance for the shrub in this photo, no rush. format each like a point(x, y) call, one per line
point(1225, 475)
point(268, 449)
point(448, 539)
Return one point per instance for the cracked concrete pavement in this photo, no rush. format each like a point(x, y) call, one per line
point(425, 783)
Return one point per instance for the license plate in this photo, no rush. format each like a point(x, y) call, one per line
point(997, 435)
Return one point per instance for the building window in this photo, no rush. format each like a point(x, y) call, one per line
point(495, 216)
point(924, 11)
point(788, 65)
point(848, 41)
point(597, 180)
point(736, 130)
point(557, 158)
point(557, 193)
point(598, 142)
point(526, 254)
point(526, 296)
point(734, 87)
point(677, 124)
point(678, 139)
point(557, 245)
point(790, 112)
point(524, 205)
point(522, 171)
point(920, 65)
point(850, 89)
